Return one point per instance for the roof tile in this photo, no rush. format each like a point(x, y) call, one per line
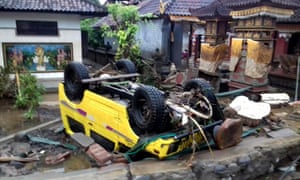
point(149, 6)
point(182, 7)
point(243, 3)
point(215, 9)
point(66, 6)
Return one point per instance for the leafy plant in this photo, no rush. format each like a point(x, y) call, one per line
point(30, 94)
point(95, 38)
point(126, 19)
point(7, 85)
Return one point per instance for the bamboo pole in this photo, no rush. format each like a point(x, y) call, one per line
point(17, 77)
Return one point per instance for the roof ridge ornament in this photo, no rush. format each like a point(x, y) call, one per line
point(163, 6)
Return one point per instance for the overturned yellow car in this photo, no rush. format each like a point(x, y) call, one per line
point(136, 119)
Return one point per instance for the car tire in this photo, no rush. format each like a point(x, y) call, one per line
point(126, 66)
point(148, 109)
point(73, 74)
point(206, 89)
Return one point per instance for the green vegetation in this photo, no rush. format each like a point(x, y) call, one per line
point(24, 88)
point(7, 86)
point(126, 19)
point(29, 94)
point(95, 38)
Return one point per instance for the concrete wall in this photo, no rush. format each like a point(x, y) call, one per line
point(69, 32)
point(149, 36)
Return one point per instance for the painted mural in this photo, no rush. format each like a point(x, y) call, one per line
point(38, 57)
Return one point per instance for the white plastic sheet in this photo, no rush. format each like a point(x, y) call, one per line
point(250, 109)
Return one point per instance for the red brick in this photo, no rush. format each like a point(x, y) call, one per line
point(99, 154)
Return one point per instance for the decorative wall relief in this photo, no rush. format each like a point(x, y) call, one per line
point(38, 57)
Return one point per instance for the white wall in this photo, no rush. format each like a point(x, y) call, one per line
point(150, 36)
point(198, 29)
point(69, 32)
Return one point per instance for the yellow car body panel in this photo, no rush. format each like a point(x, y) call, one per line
point(99, 114)
point(110, 120)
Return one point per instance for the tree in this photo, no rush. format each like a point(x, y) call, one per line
point(95, 38)
point(126, 19)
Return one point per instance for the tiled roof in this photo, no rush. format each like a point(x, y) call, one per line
point(249, 3)
point(145, 7)
point(182, 7)
point(215, 9)
point(106, 20)
point(149, 6)
point(64, 6)
point(293, 19)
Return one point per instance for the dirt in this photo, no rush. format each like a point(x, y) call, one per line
point(12, 121)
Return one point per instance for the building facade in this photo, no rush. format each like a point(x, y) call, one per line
point(42, 37)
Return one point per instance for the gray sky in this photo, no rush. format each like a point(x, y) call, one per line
point(102, 1)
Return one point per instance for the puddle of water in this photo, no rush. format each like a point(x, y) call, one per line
point(75, 162)
point(11, 118)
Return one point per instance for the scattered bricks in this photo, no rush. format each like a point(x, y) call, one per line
point(99, 154)
point(56, 159)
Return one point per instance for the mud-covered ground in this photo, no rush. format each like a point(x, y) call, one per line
point(45, 157)
point(36, 156)
point(41, 156)
point(12, 120)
